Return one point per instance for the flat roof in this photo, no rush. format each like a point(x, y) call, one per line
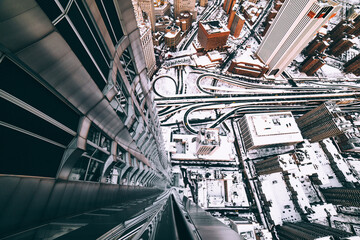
point(273, 128)
point(214, 26)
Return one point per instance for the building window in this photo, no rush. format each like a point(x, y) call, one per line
point(139, 93)
point(80, 17)
point(128, 64)
point(90, 165)
point(98, 138)
point(135, 124)
point(111, 19)
point(121, 101)
point(68, 32)
point(121, 154)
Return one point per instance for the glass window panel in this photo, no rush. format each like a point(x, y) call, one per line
point(94, 171)
point(79, 170)
point(100, 155)
point(128, 64)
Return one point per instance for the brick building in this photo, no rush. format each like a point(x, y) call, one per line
point(172, 36)
point(212, 34)
point(353, 66)
point(311, 64)
point(184, 21)
point(247, 66)
point(341, 45)
point(235, 23)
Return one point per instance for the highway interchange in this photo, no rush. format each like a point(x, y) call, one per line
point(242, 94)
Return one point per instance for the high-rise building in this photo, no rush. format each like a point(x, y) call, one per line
point(80, 129)
point(309, 231)
point(147, 44)
point(208, 141)
point(236, 24)
point(323, 122)
point(353, 65)
point(161, 8)
point(203, 3)
point(147, 6)
point(349, 197)
point(185, 6)
point(228, 5)
point(292, 29)
point(272, 129)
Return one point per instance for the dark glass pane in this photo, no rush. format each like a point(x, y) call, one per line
point(94, 171)
point(95, 31)
point(87, 36)
point(50, 8)
point(100, 155)
point(21, 118)
point(111, 20)
point(21, 85)
point(69, 35)
point(64, 3)
point(114, 18)
point(22, 154)
point(79, 170)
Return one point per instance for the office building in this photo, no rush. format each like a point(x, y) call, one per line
point(228, 5)
point(212, 34)
point(349, 141)
point(309, 231)
point(349, 197)
point(311, 64)
point(185, 6)
point(81, 129)
point(341, 45)
point(318, 45)
point(161, 8)
point(172, 36)
point(269, 129)
point(162, 23)
point(146, 39)
point(292, 29)
point(184, 21)
point(236, 23)
point(208, 141)
point(353, 65)
point(322, 122)
point(203, 3)
point(247, 65)
point(147, 6)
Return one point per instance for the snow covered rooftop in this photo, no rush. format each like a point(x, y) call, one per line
point(273, 128)
point(185, 148)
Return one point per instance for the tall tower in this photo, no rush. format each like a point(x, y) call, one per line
point(292, 29)
point(147, 6)
point(146, 39)
point(323, 122)
point(80, 113)
point(184, 5)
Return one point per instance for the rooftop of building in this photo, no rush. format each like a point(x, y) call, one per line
point(184, 147)
point(273, 128)
point(214, 26)
point(172, 31)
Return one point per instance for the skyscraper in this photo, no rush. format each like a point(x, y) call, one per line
point(292, 29)
point(349, 197)
point(323, 122)
point(81, 129)
point(185, 6)
point(148, 7)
